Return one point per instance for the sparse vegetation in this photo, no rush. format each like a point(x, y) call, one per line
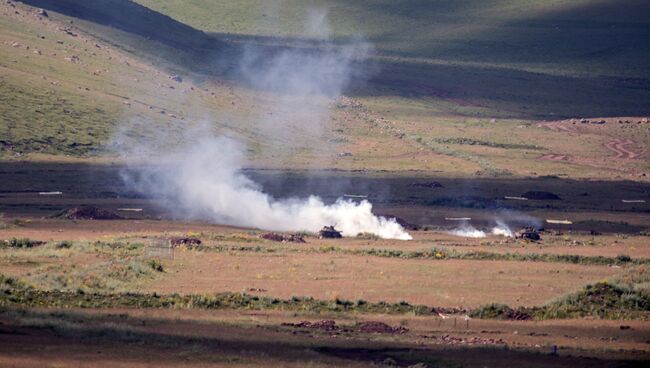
point(104, 276)
point(603, 300)
point(20, 243)
point(14, 292)
point(442, 254)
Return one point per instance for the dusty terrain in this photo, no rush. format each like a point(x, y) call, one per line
point(198, 339)
point(232, 259)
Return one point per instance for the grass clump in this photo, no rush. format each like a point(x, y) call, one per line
point(66, 244)
point(107, 276)
point(156, 265)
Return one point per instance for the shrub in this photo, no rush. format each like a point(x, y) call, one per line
point(624, 258)
point(156, 265)
point(66, 244)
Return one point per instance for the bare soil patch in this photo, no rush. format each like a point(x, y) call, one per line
point(449, 283)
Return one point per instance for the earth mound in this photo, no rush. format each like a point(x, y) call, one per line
point(186, 241)
point(541, 195)
point(290, 238)
point(380, 327)
point(89, 213)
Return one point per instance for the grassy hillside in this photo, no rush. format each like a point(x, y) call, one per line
point(594, 37)
point(459, 86)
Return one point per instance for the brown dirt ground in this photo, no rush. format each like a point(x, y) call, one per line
point(295, 271)
point(196, 338)
point(326, 276)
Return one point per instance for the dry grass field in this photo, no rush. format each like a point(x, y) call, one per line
point(112, 257)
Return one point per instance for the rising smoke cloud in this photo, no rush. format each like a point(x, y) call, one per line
point(466, 230)
point(502, 229)
point(203, 179)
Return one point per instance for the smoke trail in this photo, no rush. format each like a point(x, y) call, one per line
point(203, 178)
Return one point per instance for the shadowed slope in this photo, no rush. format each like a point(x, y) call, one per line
point(130, 17)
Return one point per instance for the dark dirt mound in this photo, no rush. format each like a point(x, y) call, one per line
point(379, 327)
point(476, 340)
point(429, 184)
point(501, 311)
point(290, 238)
point(90, 213)
point(362, 327)
point(325, 324)
point(190, 242)
point(541, 195)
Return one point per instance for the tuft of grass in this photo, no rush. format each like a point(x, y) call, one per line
point(156, 265)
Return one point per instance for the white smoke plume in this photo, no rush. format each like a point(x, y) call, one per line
point(502, 229)
point(203, 179)
point(468, 231)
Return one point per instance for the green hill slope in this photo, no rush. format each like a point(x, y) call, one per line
point(593, 37)
point(445, 73)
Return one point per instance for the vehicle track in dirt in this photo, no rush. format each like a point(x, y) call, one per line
point(620, 148)
point(554, 157)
